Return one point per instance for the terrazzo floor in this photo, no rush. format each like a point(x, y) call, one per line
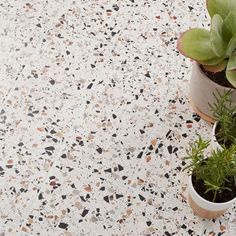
point(95, 119)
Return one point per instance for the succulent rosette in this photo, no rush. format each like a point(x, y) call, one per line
point(215, 49)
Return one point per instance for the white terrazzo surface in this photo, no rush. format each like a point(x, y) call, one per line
point(95, 119)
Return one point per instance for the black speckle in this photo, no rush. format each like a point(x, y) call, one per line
point(148, 75)
point(40, 197)
point(115, 7)
point(169, 149)
point(108, 170)
point(120, 168)
point(220, 233)
point(141, 197)
point(52, 81)
point(85, 212)
point(39, 25)
point(106, 198)
point(190, 231)
point(99, 150)
point(190, 8)
point(50, 148)
point(102, 188)
point(140, 155)
point(63, 156)
point(63, 225)
point(196, 118)
point(119, 196)
point(141, 131)
point(9, 166)
point(149, 223)
point(114, 116)
point(90, 86)
point(175, 208)
point(167, 233)
point(81, 143)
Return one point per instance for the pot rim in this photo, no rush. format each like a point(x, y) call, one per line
point(209, 80)
point(216, 206)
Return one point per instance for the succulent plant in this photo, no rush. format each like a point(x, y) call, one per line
point(215, 49)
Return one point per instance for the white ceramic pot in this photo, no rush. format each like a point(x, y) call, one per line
point(204, 208)
point(214, 143)
point(201, 93)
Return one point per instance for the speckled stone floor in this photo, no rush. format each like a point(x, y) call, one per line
point(95, 119)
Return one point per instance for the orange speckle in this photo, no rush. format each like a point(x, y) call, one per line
point(189, 126)
point(222, 227)
point(41, 129)
point(148, 158)
point(129, 211)
point(88, 188)
point(140, 181)
point(24, 229)
point(154, 142)
point(53, 183)
point(10, 161)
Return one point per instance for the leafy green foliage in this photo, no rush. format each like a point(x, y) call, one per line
point(214, 49)
point(225, 114)
point(194, 42)
point(221, 7)
point(215, 170)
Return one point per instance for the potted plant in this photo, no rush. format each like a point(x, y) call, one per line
point(214, 54)
point(224, 112)
point(212, 181)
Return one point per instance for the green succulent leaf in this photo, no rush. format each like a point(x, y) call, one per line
point(232, 5)
point(231, 70)
point(229, 26)
point(232, 62)
point(217, 42)
point(231, 76)
point(195, 43)
point(231, 46)
point(212, 61)
point(221, 7)
point(216, 68)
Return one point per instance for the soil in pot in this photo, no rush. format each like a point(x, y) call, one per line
point(217, 77)
point(224, 196)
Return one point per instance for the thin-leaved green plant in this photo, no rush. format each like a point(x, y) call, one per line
point(215, 170)
point(224, 113)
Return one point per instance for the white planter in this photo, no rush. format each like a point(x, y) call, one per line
point(214, 143)
point(204, 208)
point(201, 93)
